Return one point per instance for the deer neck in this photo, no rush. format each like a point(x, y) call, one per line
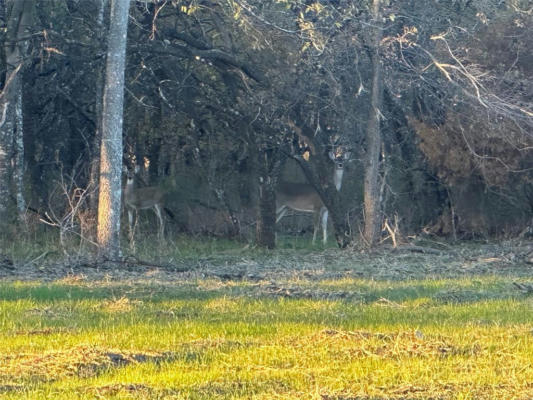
point(337, 178)
point(128, 190)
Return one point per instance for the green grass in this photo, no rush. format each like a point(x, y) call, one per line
point(324, 330)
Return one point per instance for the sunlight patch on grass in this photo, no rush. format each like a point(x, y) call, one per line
point(406, 339)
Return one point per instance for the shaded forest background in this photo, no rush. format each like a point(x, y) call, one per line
point(225, 99)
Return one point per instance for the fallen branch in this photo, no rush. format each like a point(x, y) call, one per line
point(418, 249)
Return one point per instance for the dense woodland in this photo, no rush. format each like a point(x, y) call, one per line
point(429, 103)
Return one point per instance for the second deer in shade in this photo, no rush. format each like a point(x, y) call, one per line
point(140, 198)
point(304, 198)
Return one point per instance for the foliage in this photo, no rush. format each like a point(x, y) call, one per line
point(214, 90)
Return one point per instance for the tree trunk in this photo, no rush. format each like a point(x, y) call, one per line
point(373, 137)
point(4, 140)
point(18, 173)
point(341, 227)
point(266, 168)
point(95, 156)
point(109, 199)
point(266, 219)
point(6, 136)
point(19, 21)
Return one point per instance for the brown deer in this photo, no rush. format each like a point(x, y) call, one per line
point(140, 198)
point(304, 198)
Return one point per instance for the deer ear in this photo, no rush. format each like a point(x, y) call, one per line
point(137, 168)
point(347, 155)
point(332, 156)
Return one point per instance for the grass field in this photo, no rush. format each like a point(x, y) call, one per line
point(290, 324)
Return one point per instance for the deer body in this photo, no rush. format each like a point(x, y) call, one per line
point(304, 198)
point(143, 198)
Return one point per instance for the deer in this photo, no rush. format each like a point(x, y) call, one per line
point(304, 198)
point(140, 198)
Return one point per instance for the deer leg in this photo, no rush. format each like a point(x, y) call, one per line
point(324, 218)
point(130, 222)
point(280, 213)
point(316, 222)
point(157, 209)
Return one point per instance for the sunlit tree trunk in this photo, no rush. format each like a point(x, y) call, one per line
point(373, 137)
point(109, 199)
point(95, 156)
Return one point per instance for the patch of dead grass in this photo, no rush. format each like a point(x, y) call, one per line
point(122, 304)
point(45, 331)
point(83, 361)
point(396, 345)
point(441, 391)
point(127, 389)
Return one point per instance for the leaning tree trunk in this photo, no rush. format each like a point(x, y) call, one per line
point(109, 200)
point(339, 218)
point(373, 137)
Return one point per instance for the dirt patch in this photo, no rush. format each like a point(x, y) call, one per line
point(440, 391)
point(10, 388)
point(397, 345)
point(122, 304)
point(82, 361)
point(294, 291)
point(45, 331)
point(120, 388)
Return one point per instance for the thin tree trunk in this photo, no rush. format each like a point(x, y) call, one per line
point(266, 219)
point(19, 155)
point(6, 135)
point(4, 151)
point(373, 135)
point(109, 199)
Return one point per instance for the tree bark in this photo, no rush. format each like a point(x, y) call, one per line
point(266, 168)
point(109, 199)
point(18, 173)
point(19, 21)
point(6, 134)
point(266, 221)
point(95, 156)
point(373, 137)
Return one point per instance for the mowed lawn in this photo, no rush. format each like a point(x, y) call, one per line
point(267, 336)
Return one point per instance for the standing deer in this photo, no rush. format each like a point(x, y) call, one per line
point(139, 198)
point(303, 197)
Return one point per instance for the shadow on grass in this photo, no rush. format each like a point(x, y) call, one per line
point(360, 292)
point(60, 292)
